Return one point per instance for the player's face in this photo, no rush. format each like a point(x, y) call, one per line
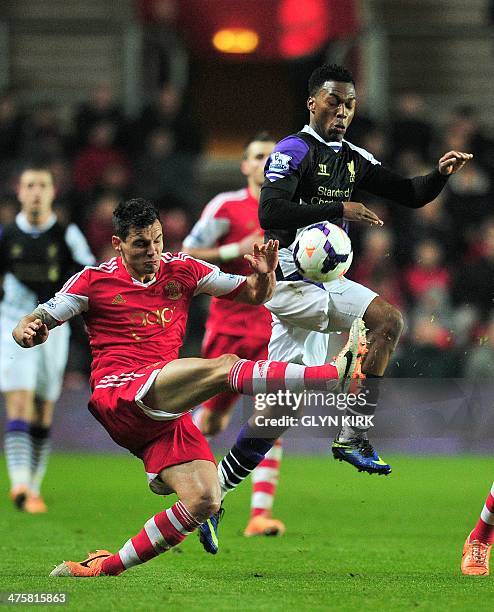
point(36, 193)
point(141, 251)
point(255, 159)
point(332, 109)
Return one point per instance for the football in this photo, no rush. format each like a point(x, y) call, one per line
point(322, 252)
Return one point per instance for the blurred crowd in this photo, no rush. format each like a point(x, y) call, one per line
point(436, 264)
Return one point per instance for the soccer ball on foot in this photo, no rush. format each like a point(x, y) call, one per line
point(322, 252)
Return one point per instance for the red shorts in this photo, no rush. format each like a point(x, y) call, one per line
point(159, 444)
point(216, 344)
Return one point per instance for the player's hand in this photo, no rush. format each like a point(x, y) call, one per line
point(264, 257)
point(452, 161)
point(246, 245)
point(356, 211)
point(30, 334)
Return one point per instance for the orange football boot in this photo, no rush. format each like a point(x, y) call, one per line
point(19, 495)
point(89, 568)
point(475, 558)
point(35, 504)
point(264, 525)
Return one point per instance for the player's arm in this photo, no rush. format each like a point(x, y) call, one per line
point(225, 252)
point(71, 300)
point(260, 285)
point(33, 329)
point(256, 288)
point(417, 191)
point(202, 240)
point(277, 210)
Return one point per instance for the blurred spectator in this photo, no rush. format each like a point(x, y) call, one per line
point(480, 360)
point(463, 133)
point(94, 159)
point(375, 267)
point(175, 228)
point(165, 57)
point(101, 107)
point(9, 207)
point(429, 353)
point(468, 197)
point(163, 175)
point(170, 113)
point(473, 284)
point(42, 137)
point(430, 221)
point(11, 123)
point(427, 281)
point(99, 228)
point(409, 130)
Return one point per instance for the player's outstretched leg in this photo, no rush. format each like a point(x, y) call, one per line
point(160, 533)
point(196, 485)
point(250, 448)
point(478, 545)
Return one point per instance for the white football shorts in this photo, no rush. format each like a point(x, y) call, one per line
point(304, 315)
point(40, 368)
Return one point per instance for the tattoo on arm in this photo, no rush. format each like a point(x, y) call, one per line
point(47, 319)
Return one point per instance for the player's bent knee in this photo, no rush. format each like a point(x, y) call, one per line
point(204, 506)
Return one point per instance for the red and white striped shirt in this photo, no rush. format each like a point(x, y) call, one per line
point(133, 324)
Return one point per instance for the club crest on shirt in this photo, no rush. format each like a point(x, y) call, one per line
point(173, 290)
point(279, 162)
point(351, 169)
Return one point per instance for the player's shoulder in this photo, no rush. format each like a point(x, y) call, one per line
point(224, 201)
point(294, 144)
point(287, 156)
point(181, 260)
point(104, 269)
point(184, 268)
point(362, 152)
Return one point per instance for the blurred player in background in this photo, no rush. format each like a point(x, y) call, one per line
point(310, 177)
point(135, 307)
point(226, 231)
point(37, 254)
point(478, 545)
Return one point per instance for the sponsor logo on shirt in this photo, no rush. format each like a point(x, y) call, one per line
point(279, 162)
point(160, 316)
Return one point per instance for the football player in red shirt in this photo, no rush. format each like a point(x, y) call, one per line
point(225, 232)
point(135, 307)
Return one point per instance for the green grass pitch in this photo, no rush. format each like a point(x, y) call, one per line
point(353, 542)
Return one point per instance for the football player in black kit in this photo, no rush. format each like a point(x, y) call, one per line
point(310, 177)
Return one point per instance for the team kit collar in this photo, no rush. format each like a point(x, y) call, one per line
point(336, 146)
point(125, 274)
point(24, 225)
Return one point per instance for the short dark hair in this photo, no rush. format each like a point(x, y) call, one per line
point(36, 166)
point(328, 72)
point(138, 213)
point(263, 136)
